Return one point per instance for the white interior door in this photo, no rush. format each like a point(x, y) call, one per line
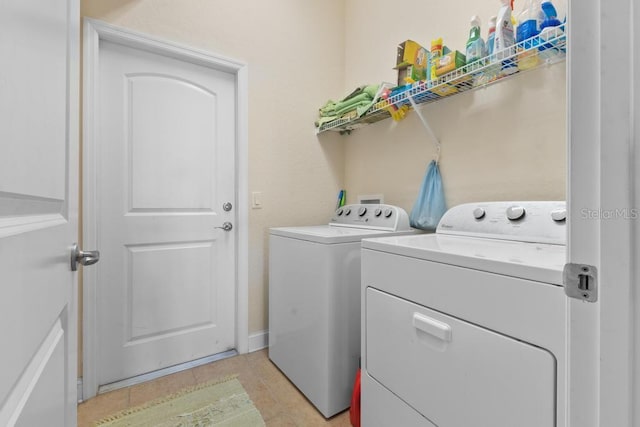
point(165, 167)
point(38, 211)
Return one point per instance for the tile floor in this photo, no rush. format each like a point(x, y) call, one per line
point(279, 402)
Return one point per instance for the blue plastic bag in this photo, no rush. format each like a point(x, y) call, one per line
point(430, 205)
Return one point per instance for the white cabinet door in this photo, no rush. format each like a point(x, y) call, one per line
point(39, 72)
point(164, 167)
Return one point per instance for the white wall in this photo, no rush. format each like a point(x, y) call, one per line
point(294, 50)
point(504, 142)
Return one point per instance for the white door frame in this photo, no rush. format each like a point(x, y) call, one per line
point(94, 31)
point(603, 188)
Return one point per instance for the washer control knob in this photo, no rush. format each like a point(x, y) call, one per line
point(559, 215)
point(340, 211)
point(388, 212)
point(377, 212)
point(515, 213)
point(347, 212)
point(478, 213)
point(362, 211)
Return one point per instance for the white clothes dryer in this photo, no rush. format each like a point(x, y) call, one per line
point(314, 300)
point(467, 326)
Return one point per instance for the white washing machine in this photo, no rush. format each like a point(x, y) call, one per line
point(314, 300)
point(467, 326)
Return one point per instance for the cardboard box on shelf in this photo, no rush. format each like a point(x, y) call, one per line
point(411, 62)
point(411, 53)
point(449, 62)
point(411, 74)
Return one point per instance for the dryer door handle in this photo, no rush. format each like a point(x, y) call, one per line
point(431, 326)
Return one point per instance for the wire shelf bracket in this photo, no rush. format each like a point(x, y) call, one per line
point(425, 123)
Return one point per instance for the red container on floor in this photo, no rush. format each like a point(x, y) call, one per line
point(354, 411)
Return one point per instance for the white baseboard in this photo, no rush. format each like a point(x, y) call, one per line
point(258, 341)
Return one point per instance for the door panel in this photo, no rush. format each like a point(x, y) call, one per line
point(158, 307)
point(167, 140)
point(38, 211)
point(48, 370)
point(165, 166)
point(34, 90)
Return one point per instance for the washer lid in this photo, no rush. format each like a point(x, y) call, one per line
point(533, 261)
point(329, 234)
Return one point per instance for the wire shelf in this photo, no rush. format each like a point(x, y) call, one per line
point(544, 49)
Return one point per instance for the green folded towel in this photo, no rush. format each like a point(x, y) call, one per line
point(360, 99)
point(353, 105)
point(352, 101)
point(371, 90)
point(328, 109)
point(356, 91)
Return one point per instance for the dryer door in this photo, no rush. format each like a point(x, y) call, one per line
point(453, 372)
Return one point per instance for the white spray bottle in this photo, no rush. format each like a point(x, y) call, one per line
point(505, 39)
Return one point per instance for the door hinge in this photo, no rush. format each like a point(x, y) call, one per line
point(581, 282)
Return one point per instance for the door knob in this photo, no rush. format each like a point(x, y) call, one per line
point(82, 257)
point(226, 226)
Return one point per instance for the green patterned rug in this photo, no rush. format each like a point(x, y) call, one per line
point(223, 403)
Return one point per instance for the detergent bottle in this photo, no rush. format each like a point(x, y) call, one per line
point(550, 16)
point(493, 70)
point(475, 45)
point(529, 22)
point(505, 40)
point(550, 30)
point(491, 36)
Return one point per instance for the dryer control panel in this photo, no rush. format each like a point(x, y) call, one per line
point(372, 216)
point(537, 222)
